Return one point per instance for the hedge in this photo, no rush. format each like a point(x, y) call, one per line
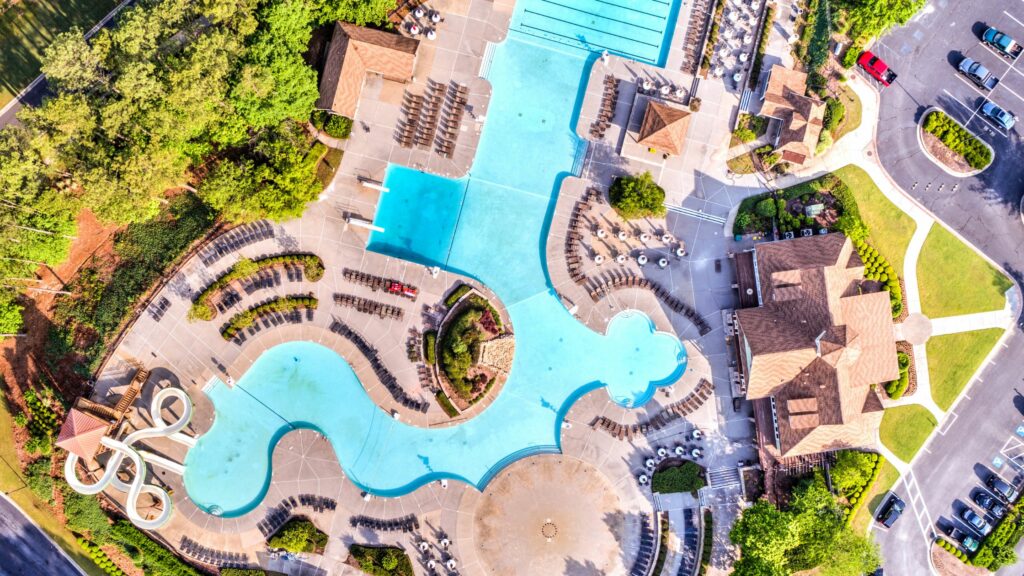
point(687, 477)
point(834, 113)
point(446, 404)
point(709, 45)
point(299, 535)
point(100, 558)
point(997, 550)
point(958, 139)
point(153, 558)
point(897, 388)
point(762, 44)
point(817, 44)
point(243, 320)
point(878, 268)
point(382, 560)
point(709, 538)
point(457, 294)
point(430, 347)
point(659, 563)
point(857, 497)
point(202, 308)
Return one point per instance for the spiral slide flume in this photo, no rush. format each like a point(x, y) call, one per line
point(124, 448)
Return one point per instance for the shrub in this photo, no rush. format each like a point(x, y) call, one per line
point(381, 560)
point(824, 143)
point(298, 535)
point(958, 139)
point(766, 208)
point(637, 196)
point(202, 308)
point(153, 558)
point(317, 118)
point(459, 347)
point(834, 113)
point(694, 104)
point(744, 135)
point(338, 126)
point(446, 404)
point(100, 558)
point(709, 539)
point(430, 347)
point(687, 477)
point(762, 44)
point(852, 53)
point(39, 480)
point(852, 471)
point(284, 304)
point(456, 295)
point(84, 516)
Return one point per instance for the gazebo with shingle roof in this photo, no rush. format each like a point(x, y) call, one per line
point(664, 128)
point(81, 434)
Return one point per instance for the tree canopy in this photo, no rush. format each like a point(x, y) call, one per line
point(869, 18)
point(810, 533)
point(637, 196)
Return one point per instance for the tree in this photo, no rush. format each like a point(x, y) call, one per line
point(356, 11)
point(71, 65)
point(637, 196)
point(766, 208)
point(869, 18)
point(10, 312)
point(852, 470)
point(763, 532)
point(851, 555)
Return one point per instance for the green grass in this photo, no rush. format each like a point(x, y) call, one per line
point(905, 428)
point(873, 498)
point(12, 483)
point(742, 164)
point(28, 27)
point(954, 358)
point(891, 228)
point(851, 120)
point(955, 280)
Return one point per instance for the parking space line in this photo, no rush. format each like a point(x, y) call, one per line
point(1014, 93)
point(952, 416)
point(958, 101)
point(1012, 18)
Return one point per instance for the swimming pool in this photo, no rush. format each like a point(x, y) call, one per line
point(491, 225)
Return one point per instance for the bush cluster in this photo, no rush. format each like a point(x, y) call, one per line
point(952, 549)
point(709, 540)
point(852, 53)
point(299, 535)
point(84, 516)
point(42, 424)
point(834, 113)
point(877, 268)
point(147, 553)
point(446, 404)
point(202, 307)
point(39, 480)
point(744, 134)
point(382, 560)
point(430, 347)
point(958, 139)
point(997, 550)
point(747, 220)
point(100, 558)
point(687, 477)
point(637, 196)
point(243, 320)
point(709, 45)
point(817, 45)
point(457, 294)
point(762, 44)
point(897, 388)
point(460, 347)
point(853, 475)
point(338, 126)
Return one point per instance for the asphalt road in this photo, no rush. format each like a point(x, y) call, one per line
point(980, 435)
point(25, 550)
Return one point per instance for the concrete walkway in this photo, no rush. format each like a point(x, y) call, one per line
point(966, 322)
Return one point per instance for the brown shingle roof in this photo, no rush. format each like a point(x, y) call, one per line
point(353, 53)
point(802, 117)
point(81, 434)
point(664, 128)
point(817, 344)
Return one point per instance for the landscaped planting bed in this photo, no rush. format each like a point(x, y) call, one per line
point(897, 388)
point(299, 535)
point(245, 269)
point(709, 540)
point(709, 45)
point(958, 139)
point(685, 477)
point(762, 43)
point(380, 560)
point(243, 320)
point(873, 497)
point(472, 323)
point(853, 475)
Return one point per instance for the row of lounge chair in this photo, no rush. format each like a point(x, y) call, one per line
point(663, 418)
point(648, 548)
point(379, 283)
point(700, 14)
point(211, 557)
point(276, 517)
point(318, 503)
point(228, 298)
point(272, 320)
point(458, 95)
point(573, 259)
point(426, 376)
point(602, 287)
point(604, 115)
point(688, 553)
point(367, 306)
point(234, 239)
point(405, 524)
point(157, 309)
point(280, 514)
point(263, 280)
point(382, 372)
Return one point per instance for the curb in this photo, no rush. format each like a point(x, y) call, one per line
point(934, 160)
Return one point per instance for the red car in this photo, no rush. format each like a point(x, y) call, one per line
point(877, 67)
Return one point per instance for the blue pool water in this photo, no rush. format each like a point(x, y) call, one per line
point(491, 225)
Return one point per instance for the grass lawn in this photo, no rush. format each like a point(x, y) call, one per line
point(851, 120)
point(954, 280)
point(28, 27)
point(891, 228)
point(14, 486)
point(742, 164)
point(954, 358)
point(905, 428)
point(873, 499)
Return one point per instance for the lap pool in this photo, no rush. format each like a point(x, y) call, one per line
point(491, 225)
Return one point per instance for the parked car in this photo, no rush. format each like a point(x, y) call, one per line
point(989, 503)
point(965, 540)
point(1002, 489)
point(890, 512)
point(998, 115)
point(975, 521)
point(877, 68)
point(977, 74)
point(1002, 43)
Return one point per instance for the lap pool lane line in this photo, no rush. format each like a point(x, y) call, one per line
point(527, 148)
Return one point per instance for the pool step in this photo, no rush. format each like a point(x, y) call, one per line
point(581, 157)
point(485, 62)
point(698, 214)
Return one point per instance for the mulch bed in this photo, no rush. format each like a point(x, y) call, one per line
point(907, 349)
point(948, 565)
point(943, 154)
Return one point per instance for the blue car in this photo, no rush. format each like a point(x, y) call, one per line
point(998, 115)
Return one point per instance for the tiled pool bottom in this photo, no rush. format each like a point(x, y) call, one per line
point(305, 385)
